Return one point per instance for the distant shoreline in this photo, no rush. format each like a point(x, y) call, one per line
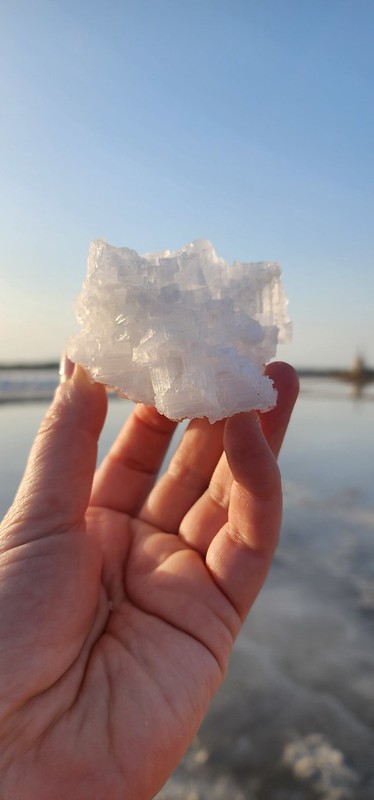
point(36, 382)
point(30, 365)
point(303, 372)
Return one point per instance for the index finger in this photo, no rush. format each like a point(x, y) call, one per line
point(129, 470)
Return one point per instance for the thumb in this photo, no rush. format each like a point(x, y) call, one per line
point(57, 483)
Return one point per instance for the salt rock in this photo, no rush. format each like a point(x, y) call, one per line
point(183, 330)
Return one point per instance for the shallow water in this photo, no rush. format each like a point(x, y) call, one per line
point(329, 446)
point(295, 717)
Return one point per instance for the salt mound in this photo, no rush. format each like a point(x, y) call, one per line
point(182, 331)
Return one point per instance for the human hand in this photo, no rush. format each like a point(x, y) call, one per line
point(121, 599)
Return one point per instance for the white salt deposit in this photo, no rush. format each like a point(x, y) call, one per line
point(181, 330)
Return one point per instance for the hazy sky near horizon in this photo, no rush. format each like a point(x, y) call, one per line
point(150, 123)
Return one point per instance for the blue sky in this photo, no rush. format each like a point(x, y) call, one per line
point(150, 123)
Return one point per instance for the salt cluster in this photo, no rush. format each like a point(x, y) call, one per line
point(182, 331)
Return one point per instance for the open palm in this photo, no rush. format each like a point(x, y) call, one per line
point(121, 598)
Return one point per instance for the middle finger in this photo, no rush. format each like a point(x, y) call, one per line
point(187, 476)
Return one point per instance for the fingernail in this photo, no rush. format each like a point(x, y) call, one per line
point(66, 368)
point(82, 376)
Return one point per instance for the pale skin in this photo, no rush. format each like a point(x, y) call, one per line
point(121, 596)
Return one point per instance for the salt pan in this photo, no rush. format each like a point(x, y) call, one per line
point(181, 330)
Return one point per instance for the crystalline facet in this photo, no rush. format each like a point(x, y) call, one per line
point(182, 330)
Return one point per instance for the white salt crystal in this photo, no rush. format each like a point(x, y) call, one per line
point(182, 330)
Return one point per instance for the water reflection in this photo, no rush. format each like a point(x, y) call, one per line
point(330, 389)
